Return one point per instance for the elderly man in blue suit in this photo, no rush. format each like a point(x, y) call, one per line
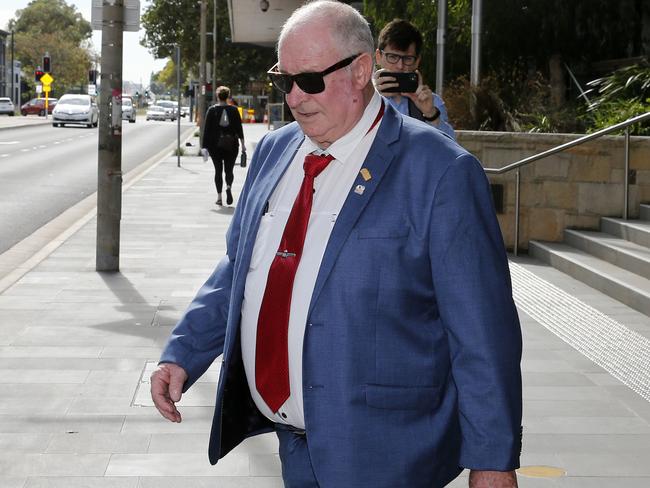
point(364, 307)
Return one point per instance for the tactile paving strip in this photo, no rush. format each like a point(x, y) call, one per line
point(622, 352)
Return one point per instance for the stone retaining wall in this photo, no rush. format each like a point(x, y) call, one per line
point(572, 189)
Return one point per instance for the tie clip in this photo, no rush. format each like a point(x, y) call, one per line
point(285, 254)
point(365, 174)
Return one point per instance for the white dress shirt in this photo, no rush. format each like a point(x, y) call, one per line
point(331, 187)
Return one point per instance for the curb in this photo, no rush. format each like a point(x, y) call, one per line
point(28, 253)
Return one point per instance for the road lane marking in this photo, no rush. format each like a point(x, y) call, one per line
point(4, 155)
point(9, 142)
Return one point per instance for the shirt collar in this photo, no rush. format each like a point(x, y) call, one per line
point(342, 148)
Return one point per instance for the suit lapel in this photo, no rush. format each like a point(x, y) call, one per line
point(377, 163)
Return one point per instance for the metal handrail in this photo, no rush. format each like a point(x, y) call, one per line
point(563, 147)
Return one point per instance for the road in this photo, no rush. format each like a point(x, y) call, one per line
point(45, 170)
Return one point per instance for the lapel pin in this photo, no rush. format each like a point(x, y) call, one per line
point(359, 189)
point(365, 174)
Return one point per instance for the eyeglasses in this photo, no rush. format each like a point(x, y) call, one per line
point(309, 82)
point(393, 58)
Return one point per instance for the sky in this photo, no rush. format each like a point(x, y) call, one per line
point(137, 63)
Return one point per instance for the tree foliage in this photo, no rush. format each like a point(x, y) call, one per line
point(170, 22)
point(58, 28)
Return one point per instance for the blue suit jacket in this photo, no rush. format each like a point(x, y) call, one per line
point(412, 346)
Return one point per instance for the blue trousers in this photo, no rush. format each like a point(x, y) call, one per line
point(297, 471)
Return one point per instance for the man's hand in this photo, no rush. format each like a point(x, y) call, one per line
point(383, 83)
point(167, 388)
point(492, 479)
point(422, 98)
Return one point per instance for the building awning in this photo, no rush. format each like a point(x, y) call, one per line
point(249, 24)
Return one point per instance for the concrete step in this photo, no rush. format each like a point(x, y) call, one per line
point(621, 284)
point(637, 231)
point(645, 212)
point(615, 250)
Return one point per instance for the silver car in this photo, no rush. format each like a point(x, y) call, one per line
point(128, 110)
point(76, 109)
point(156, 112)
point(7, 106)
point(170, 107)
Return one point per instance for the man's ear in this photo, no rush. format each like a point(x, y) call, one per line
point(362, 70)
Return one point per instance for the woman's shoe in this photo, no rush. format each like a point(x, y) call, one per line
point(219, 201)
point(229, 199)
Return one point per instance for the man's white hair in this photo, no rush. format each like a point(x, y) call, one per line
point(349, 28)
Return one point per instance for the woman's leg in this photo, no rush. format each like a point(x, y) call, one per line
point(228, 165)
point(217, 161)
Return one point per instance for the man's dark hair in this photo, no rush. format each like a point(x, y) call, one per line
point(400, 34)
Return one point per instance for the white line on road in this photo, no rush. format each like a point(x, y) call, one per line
point(42, 146)
point(4, 155)
point(24, 150)
point(9, 142)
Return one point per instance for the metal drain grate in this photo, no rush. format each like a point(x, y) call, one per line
point(620, 351)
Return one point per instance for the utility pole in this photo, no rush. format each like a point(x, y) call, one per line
point(214, 51)
point(109, 181)
point(475, 61)
point(440, 46)
point(13, 75)
point(178, 97)
point(201, 115)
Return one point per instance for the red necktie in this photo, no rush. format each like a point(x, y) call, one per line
point(271, 353)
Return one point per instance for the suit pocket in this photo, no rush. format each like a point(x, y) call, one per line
point(402, 397)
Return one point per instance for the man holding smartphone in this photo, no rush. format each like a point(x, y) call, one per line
point(398, 54)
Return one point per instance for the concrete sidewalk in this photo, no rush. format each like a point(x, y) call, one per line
point(77, 347)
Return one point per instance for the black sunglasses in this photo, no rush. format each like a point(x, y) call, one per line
point(311, 83)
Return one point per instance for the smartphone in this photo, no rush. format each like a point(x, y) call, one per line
point(408, 82)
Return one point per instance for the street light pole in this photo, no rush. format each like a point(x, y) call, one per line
point(178, 95)
point(109, 179)
point(440, 46)
point(13, 75)
point(202, 62)
point(214, 51)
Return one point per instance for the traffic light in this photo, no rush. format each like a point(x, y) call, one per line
point(92, 76)
point(46, 63)
point(38, 72)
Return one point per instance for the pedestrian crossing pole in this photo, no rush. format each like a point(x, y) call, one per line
point(109, 182)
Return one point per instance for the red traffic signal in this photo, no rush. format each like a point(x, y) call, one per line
point(37, 74)
point(46, 64)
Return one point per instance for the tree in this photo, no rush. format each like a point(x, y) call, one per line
point(170, 22)
point(56, 27)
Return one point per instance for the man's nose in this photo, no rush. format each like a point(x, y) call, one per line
point(295, 96)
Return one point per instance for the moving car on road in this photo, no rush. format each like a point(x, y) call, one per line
point(171, 108)
point(37, 106)
point(156, 112)
point(76, 109)
point(128, 109)
point(7, 106)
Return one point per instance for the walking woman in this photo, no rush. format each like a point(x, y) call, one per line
point(220, 137)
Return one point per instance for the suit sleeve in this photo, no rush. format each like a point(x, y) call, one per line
point(198, 338)
point(474, 294)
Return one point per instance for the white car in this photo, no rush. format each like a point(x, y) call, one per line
point(128, 110)
point(7, 106)
point(156, 112)
point(170, 107)
point(76, 109)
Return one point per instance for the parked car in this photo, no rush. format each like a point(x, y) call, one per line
point(156, 112)
point(7, 106)
point(76, 109)
point(37, 106)
point(171, 108)
point(128, 110)
point(185, 111)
